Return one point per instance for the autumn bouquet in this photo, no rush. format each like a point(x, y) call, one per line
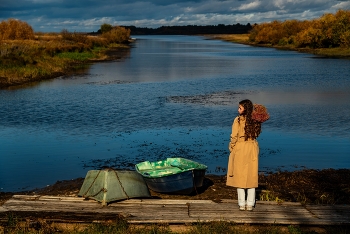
point(260, 113)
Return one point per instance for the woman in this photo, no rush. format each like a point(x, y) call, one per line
point(242, 170)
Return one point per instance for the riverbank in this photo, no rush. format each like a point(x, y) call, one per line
point(328, 186)
point(19, 71)
point(29, 57)
point(338, 52)
point(308, 187)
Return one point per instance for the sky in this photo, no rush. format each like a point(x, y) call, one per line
point(89, 15)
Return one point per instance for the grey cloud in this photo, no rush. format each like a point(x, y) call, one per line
point(88, 15)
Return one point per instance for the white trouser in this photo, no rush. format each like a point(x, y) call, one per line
point(250, 198)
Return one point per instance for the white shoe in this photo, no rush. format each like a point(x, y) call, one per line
point(242, 208)
point(249, 208)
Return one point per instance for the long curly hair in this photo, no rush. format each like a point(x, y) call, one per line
point(252, 128)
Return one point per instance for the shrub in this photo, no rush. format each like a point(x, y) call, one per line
point(15, 30)
point(117, 35)
point(106, 28)
point(75, 37)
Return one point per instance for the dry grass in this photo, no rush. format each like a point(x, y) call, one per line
point(327, 186)
point(51, 55)
point(240, 38)
point(333, 52)
point(26, 57)
point(121, 226)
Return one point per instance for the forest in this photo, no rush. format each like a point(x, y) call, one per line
point(191, 29)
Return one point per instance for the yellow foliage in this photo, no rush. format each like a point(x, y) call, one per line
point(15, 30)
point(330, 30)
point(117, 35)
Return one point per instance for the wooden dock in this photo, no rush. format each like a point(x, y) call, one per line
point(146, 211)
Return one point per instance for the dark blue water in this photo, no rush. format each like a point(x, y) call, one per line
point(175, 96)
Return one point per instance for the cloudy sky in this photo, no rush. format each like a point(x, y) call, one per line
point(88, 15)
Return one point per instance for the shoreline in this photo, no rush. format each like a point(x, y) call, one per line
point(329, 188)
point(340, 53)
point(107, 54)
point(307, 186)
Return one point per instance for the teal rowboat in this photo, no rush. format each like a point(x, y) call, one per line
point(173, 175)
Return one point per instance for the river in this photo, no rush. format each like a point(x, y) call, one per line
point(171, 96)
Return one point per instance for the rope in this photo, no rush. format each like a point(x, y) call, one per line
point(104, 189)
point(121, 185)
point(101, 190)
point(92, 184)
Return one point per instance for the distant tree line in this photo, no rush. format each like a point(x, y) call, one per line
point(191, 29)
point(330, 30)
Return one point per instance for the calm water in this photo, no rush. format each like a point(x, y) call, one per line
point(175, 96)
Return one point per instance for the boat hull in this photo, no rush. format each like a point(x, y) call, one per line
point(110, 185)
point(183, 183)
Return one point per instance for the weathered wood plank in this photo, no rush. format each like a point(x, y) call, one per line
point(141, 210)
point(131, 201)
point(263, 202)
point(2, 209)
point(279, 214)
point(330, 211)
point(77, 209)
point(147, 209)
point(164, 201)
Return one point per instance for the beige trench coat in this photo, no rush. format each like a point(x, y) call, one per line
point(242, 169)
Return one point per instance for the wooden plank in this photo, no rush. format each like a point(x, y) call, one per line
point(263, 202)
point(339, 214)
point(38, 197)
point(2, 209)
point(45, 207)
point(261, 214)
point(131, 201)
point(142, 211)
point(47, 211)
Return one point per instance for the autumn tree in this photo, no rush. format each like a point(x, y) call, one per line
point(330, 30)
point(13, 29)
point(341, 28)
point(106, 28)
point(117, 35)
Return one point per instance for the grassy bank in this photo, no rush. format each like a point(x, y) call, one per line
point(26, 56)
point(337, 52)
point(25, 61)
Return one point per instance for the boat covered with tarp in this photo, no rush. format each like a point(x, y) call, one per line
point(110, 185)
point(172, 175)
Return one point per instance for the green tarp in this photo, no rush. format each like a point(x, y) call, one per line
point(169, 166)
